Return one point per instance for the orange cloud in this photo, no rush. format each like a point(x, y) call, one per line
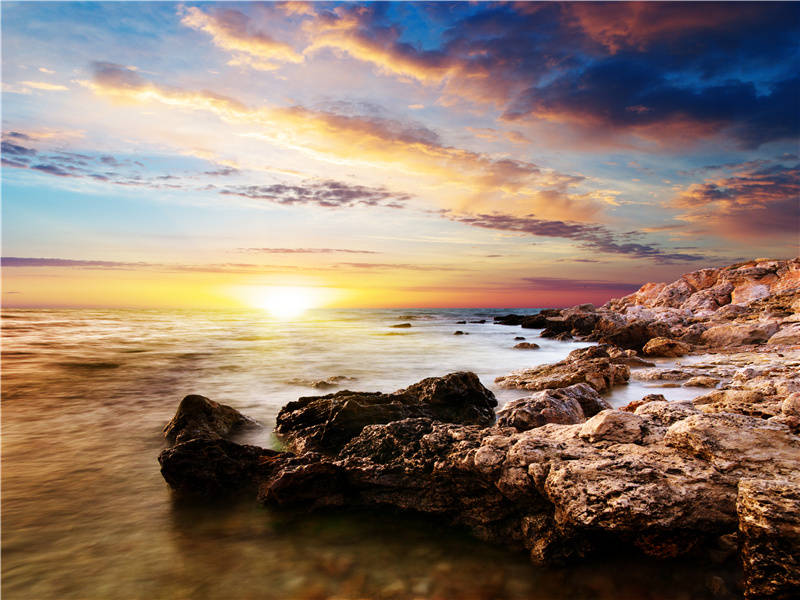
point(454, 177)
point(231, 30)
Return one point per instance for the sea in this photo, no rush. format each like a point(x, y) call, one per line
point(87, 515)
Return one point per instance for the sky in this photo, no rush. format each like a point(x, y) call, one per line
point(188, 155)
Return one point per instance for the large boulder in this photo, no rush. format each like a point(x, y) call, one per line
point(567, 405)
point(327, 423)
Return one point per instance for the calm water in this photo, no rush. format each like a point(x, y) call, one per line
point(86, 514)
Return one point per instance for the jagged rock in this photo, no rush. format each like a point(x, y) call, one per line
point(745, 402)
point(769, 534)
point(565, 405)
point(791, 405)
point(199, 417)
point(590, 365)
point(563, 337)
point(326, 423)
point(666, 347)
point(701, 381)
point(739, 334)
point(526, 346)
point(614, 426)
point(788, 334)
point(665, 413)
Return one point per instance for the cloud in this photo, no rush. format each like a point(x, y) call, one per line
point(557, 284)
point(475, 179)
point(233, 31)
point(306, 251)
point(592, 236)
point(43, 85)
point(624, 94)
point(16, 150)
point(326, 194)
point(751, 203)
point(398, 266)
point(16, 261)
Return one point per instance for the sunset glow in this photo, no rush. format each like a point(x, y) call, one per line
point(284, 303)
point(403, 154)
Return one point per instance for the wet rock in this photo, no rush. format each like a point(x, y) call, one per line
point(519, 338)
point(327, 423)
point(563, 337)
point(509, 319)
point(459, 332)
point(769, 534)
point(479, 321)
point(461, 322)
point(401, 326)
point(199, 417)
point(526, 346)
point(586, 365)
point(666, 347)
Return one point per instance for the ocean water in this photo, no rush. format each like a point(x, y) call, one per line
point(86, 514)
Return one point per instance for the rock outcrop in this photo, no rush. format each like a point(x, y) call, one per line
point(592, 365)
point(560, 473)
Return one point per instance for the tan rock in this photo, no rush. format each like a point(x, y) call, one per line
point(614, 426)
point(739, 334)
point(788, 334)
point(661, 346)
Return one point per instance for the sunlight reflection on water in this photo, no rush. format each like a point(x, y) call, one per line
point(86, 514)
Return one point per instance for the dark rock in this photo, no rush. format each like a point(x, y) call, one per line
point(509, 319)
point(459, 332)
point(401, 326)
point(519, 338)
point(526, 346)
point(461, 322)
point(563, 336)
point(480, 321)
point(199, 417)
point(211, 467)
point(567, 405)
point(633, 334)
point(327, 423)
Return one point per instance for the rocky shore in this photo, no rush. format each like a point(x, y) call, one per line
point(559, 472)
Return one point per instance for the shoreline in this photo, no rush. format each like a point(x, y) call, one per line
point(560, 473)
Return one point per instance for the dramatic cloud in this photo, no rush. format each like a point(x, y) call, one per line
point(750, 203)
point(591, 236)
point(233, 31)
point(327, 194)
point(306, 251)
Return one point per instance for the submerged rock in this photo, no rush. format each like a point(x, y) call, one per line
point(526, 346)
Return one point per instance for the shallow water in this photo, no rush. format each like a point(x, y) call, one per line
point(86, 514)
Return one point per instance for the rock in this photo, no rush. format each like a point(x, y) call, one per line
point(562, 337)
point(509, 319)
point(701, 381)
point(739, 334)
point(519, 337)
point(665, 413)
point(791, 405)
point(459, 332)
point(327, 423)
point(461, 322)
point(666, 347)
point(788, 334)
point(744, 402)
point(586, 365)
point(633, 334)
point(199, 417)
point(769, 534)
point(634, 404)
point(565, 405)
point(540, 409)
point(479, 321)
point(614, 426)
point(526, 346)
point(401, 325)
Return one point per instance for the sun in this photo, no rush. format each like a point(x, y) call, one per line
point(284, 303)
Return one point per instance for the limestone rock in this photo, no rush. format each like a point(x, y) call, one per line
point(614, 426)
point(789, 334)
point(666, 347)
point(739, 334)
point(565, 405)
point(769, 534)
